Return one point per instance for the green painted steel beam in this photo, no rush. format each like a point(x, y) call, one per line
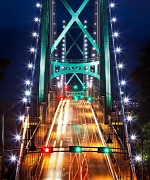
point(88, 36)
point(75, 18)
point(105, 27)
point(74, 43)
point(74, 68)
point(74, 74)
point(63, 33)
point(80, 9)
point(79, 79)
point(43, 53)
point(70, 78)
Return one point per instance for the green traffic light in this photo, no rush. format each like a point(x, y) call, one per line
point(75, 97)
point(82, 96)
point(75, 87)
point(90, 99)
point(75, 149)
point(78, 149)
point(84, 87)
point(105, 150)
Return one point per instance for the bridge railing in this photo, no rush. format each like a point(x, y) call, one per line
point(75, 60)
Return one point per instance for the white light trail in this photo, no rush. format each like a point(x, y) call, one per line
point(103, 142)
point(53, 121)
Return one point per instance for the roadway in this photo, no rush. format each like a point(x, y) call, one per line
point(74, 124)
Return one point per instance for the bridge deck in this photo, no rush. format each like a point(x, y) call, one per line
point(74, 125)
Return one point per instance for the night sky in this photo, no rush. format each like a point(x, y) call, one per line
point(16, 25)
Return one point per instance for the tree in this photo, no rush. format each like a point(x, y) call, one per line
point(3, 64)
point(141, 77)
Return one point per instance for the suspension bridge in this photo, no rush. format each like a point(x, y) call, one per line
point(81, 130)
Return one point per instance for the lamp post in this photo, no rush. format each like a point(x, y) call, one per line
point(3, 124)
point(3, 131)
point(109, 140)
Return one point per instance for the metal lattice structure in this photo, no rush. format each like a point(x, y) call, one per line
point(58, 67)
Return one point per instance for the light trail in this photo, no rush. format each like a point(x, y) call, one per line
point(60, 121)
point(25, 127)
point(104, 144)
point(65, 117)
point(81, 132)
point(59, 163)
point(54, 119)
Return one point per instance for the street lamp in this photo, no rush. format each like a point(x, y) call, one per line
point(109, 140)
point(138, 158)
point(2, 131)
point(3, 118)
point(3, 128)
point(13, 158)
point(133, 137)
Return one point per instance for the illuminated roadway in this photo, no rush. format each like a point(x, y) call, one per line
point(74, 124)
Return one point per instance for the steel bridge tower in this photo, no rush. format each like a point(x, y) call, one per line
point(86, 60)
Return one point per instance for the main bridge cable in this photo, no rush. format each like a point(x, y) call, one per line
point(27, 111)
point(122, 108)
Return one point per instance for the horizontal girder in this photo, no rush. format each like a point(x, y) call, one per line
point(88, 68)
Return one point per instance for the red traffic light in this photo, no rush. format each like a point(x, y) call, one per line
point(66, 87)
point(61, 97)
point(47, 150)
